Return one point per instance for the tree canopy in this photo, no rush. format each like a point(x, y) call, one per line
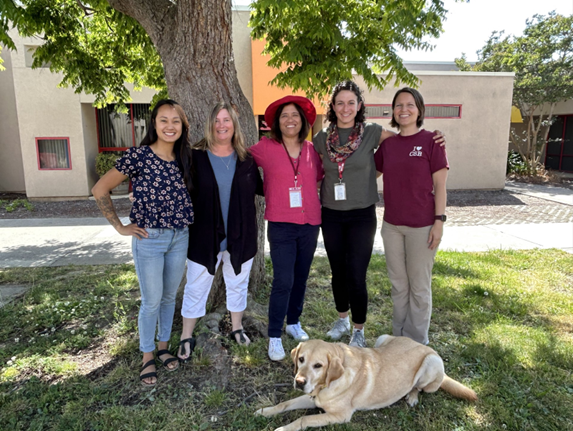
point(542, 60)
point(99, 49)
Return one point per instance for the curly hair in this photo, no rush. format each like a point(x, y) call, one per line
point(349, 86)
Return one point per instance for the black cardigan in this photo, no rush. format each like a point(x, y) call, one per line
point(208, 229)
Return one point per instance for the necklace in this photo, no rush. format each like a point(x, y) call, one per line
point(231, 158)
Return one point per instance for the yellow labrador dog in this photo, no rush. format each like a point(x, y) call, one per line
point(341, 379)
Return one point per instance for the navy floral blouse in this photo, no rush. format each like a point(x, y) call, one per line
point(161, 198)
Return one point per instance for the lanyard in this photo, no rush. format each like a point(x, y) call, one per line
point(340, 170)
point(292, 164)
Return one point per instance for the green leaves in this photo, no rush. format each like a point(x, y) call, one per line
point(542, 60)
point(321, 42)
point(96, 48)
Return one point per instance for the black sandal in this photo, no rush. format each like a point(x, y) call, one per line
point(148, 375)
point(183, 350)
point(242, 339)
point(168, 360)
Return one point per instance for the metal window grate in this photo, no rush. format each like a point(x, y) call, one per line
point(432, 111)
point(436, 111)
point(53, 153)
point(118, 130)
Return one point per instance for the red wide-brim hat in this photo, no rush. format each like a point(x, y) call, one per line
point(306, 105)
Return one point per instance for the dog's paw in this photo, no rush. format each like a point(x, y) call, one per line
point(412, 397)
point(266, 412)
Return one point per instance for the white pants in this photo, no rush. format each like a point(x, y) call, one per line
point(199, 283)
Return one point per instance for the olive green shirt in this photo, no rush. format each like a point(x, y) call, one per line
point(359, 170)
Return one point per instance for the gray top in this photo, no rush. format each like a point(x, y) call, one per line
point(359, 170)
point(224, 169)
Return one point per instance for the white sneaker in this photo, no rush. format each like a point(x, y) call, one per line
point(276, 351)
point(357, 339)
point(341, 327)
point(296, 332)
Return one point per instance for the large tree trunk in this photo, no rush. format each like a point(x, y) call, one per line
point(194, 40)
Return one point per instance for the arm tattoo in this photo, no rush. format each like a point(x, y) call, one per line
point(106, 206)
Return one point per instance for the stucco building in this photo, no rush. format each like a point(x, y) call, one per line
point(50, 136)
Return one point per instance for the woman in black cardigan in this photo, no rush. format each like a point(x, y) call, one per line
point(225, 181)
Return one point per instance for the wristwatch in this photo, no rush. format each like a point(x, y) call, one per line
point(441, 217)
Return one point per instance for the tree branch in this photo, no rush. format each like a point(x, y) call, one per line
point(153, 15)
point(87, 10)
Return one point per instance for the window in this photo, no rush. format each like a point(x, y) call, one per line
point(53, 153)
point(432, 111)
point(120, 131)
point(29, 51)
point(559, 153)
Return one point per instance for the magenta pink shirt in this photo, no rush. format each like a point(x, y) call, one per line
point(408, 163)
point(278, 177)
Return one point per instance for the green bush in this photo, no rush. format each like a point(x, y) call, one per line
point(515, 163)
point(105, 161)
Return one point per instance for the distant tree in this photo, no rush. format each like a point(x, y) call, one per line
point(542, 60)
point(184, 48)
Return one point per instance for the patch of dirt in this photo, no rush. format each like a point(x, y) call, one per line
point(60, 209)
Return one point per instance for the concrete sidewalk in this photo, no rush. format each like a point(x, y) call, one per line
point(92, 241)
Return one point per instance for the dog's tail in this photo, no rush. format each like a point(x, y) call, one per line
point(457, 389)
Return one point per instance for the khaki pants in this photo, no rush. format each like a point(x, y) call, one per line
point(409, 262)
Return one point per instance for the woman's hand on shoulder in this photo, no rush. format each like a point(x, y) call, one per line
point(132, 230)
point(440, 138)
point(385, 135)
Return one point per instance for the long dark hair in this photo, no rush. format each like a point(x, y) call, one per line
point(349, 86)
point(182, 148)
point(276, 126)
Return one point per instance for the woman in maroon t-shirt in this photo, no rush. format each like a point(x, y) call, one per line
point(415, 170)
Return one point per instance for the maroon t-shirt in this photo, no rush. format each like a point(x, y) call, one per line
point(408, 163)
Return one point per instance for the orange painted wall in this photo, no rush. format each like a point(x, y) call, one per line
point(263, 93)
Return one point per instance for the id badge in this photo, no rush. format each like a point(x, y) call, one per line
point(295, 197)
point(340, 192)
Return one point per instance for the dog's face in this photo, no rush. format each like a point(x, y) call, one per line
point(316, 365)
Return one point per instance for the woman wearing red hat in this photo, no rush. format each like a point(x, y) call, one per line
point(349, 194)
point(292, 169)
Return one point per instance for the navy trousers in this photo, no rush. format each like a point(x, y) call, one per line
point(292, 250)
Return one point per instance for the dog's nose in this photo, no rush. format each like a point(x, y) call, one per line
point(300, 382)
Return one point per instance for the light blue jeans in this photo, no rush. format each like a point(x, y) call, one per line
point(159, 264)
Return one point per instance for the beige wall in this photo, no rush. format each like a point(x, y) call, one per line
point(11, 168)
point(477, 142)
point(242, 50)
point(564, 108)
point(45, 111)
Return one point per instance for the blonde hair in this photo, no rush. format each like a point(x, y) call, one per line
point(238, 140)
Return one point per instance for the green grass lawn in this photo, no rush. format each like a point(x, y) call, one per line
point(502, 321)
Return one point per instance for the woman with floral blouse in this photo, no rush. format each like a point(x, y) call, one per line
point(160, 171)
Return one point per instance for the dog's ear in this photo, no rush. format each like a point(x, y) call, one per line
point(335, 369)
point(294, 356)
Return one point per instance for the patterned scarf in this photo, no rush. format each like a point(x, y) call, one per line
point(339, 153)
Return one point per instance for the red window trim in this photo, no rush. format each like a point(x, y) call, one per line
point(67, 139)
point(566, 117)
point(431, 104)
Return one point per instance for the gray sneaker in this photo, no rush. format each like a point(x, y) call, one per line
point(341, 327)
point(357, 339)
